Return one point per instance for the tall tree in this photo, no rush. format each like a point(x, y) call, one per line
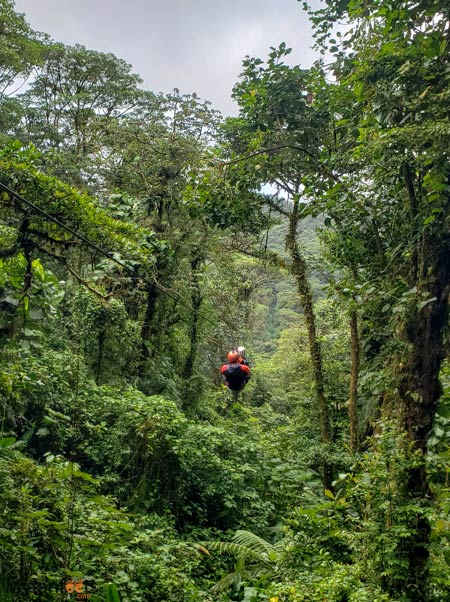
point(71, 91)
point(20, 48)
point(20, 52)
point(393, 63)
point(275, 140)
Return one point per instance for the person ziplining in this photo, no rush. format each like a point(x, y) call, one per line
point(241, 353)
point(236, 372)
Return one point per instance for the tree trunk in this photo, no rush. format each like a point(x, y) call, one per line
point(100, 352)
point(413, 210)
point(196, 301)
point(419, 392)
point(299, 271)
point(148, 331)
point(354, 373)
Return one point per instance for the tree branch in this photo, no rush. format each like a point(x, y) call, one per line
point(56, 241)
point(63, 260)
point(295, 147)
point(274, 205)
point(271, 257)
point(88, 286)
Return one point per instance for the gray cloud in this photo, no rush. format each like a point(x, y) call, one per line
point(196, 45)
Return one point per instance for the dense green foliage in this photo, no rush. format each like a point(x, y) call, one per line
point(136, 249)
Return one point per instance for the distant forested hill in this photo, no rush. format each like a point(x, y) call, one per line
point(277, 301)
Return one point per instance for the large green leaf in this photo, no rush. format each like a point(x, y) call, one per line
point(7, 441)
point(112, 595)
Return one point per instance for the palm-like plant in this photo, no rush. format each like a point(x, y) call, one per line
point(256, 559)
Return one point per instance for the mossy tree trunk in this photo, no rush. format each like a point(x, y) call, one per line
point(354, 374)
point(419, 392)
point(299, 270)
point(148, 327)
point(196, 301)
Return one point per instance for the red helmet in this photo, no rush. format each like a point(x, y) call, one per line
point(232, 357)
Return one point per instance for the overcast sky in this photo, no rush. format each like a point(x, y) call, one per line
point(193, 45)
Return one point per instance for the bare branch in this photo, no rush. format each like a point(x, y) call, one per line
point(274, 205)
point(268, 256)
point(295, 147)
point(87, 285)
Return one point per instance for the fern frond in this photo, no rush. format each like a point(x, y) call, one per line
point(234, 548)
point(197, 548)
point(230, 580)
point(253, 542)
point(258, 572)
point(279, 546)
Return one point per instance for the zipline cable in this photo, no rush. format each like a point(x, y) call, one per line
point(91, 244)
